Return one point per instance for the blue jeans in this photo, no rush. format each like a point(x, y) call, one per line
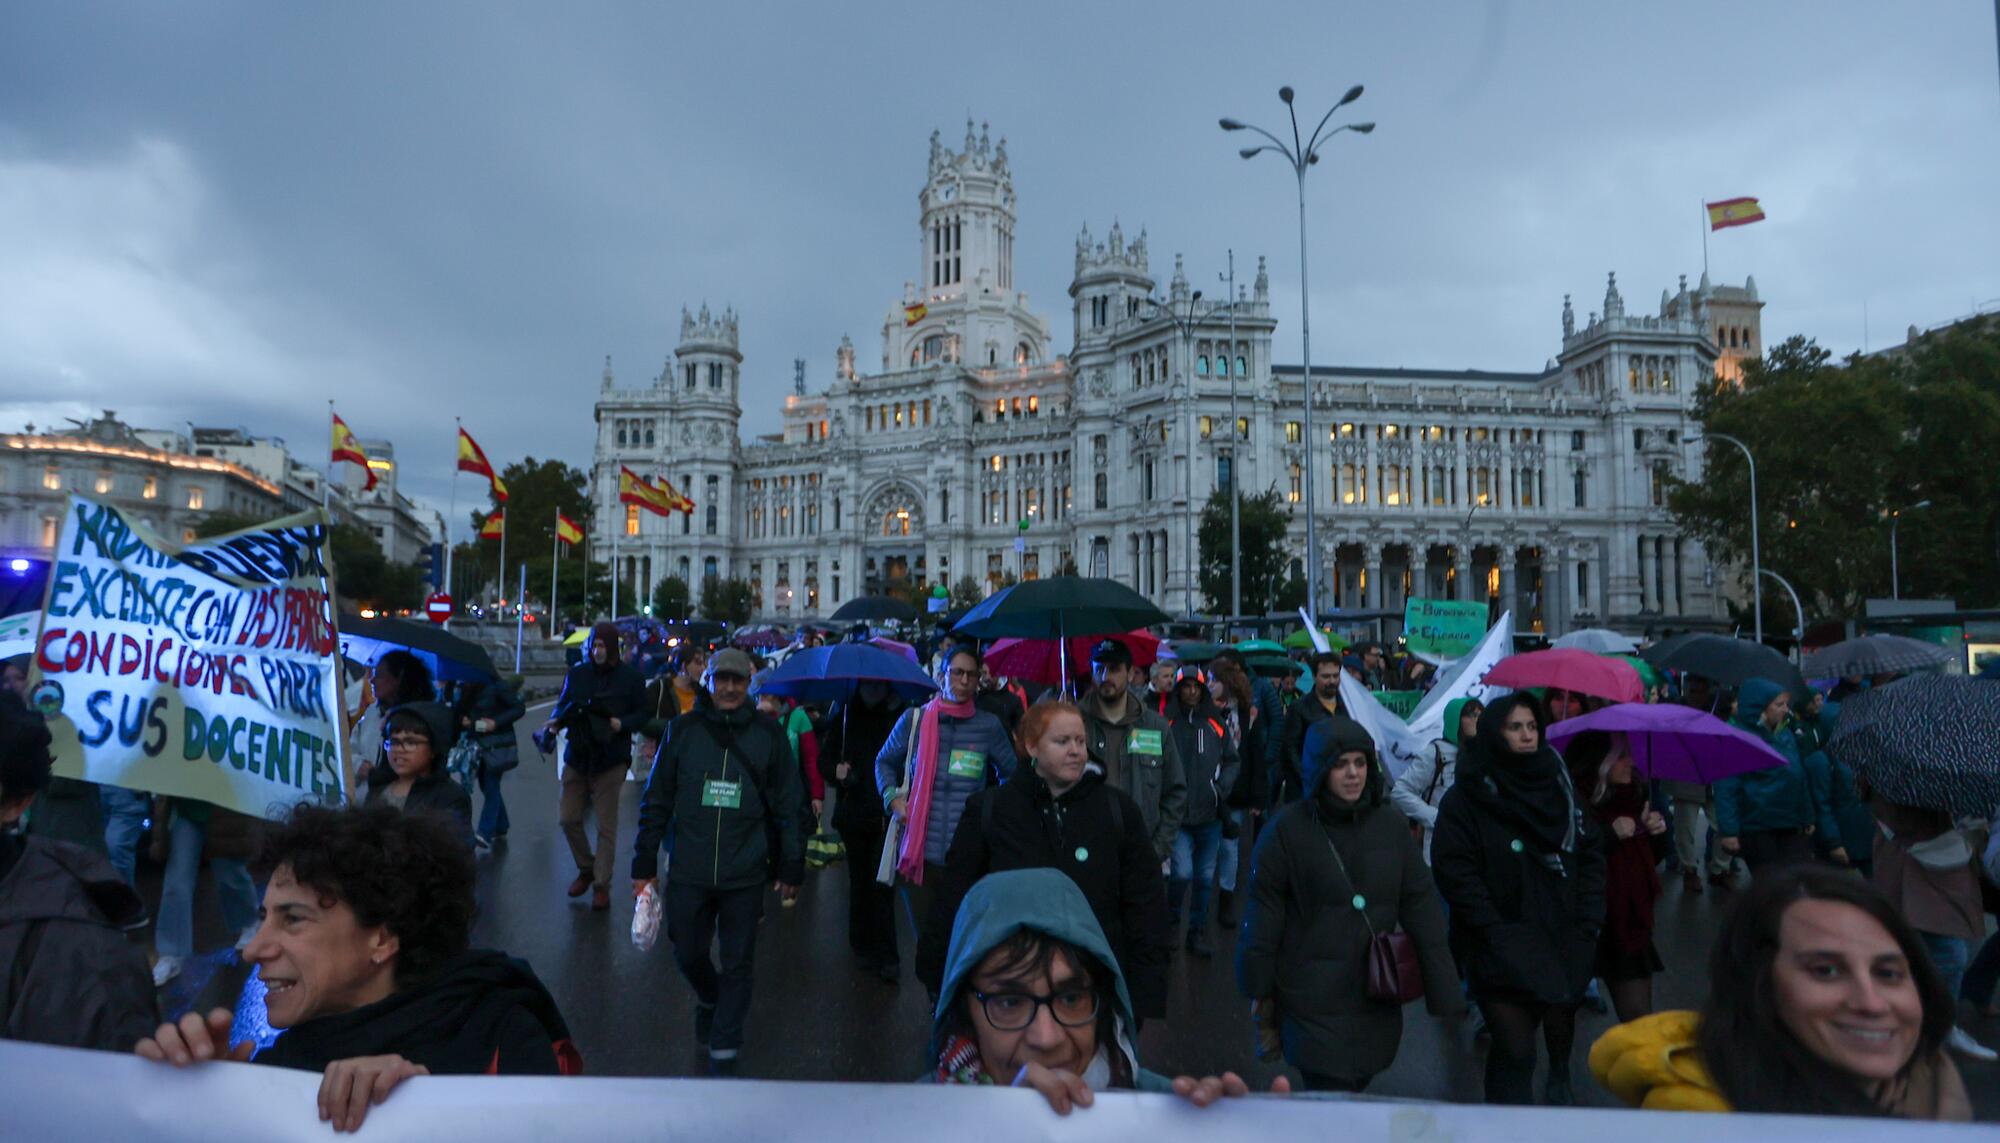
point(1230, 856)
point(174, 935)
point(1949, 955)
point(124, 821)
point(1195, 849)
point(492, 808)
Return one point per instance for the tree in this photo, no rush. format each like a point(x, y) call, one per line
point(1839, 447)
point(966, 593)
point(729, 600)
point(670, 599)
point(1266, 568)
point(536, 491)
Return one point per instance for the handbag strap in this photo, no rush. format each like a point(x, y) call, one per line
point(1352, 889)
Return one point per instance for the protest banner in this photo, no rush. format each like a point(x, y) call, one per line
point(1440, 630)
point(69, 1093)
point(206, 670)
point(1464, 679)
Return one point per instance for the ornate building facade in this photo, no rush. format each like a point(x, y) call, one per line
point(975, 451)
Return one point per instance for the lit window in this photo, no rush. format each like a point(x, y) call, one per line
point(151, 489)
point(103, 484)
point(1034, 406)
point(1207, 427)
point(187, 535)
point(48, 531)
point(1297, 481)
point(196, 498)
point(52, 478)
point(631, 519)
point(996, 462)
point(1294, 432)
point(1389, 430)
point(1243, 428)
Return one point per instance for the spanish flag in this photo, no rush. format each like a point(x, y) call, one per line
point(1734, 212)
point(472, 458)
point(633, 489)
point(681, 503)
point(495, 526)
point(567, 531)
point(914, 313)
point(346, 448)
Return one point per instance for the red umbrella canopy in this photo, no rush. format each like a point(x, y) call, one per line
point(1570, 670)
point(1036, 661)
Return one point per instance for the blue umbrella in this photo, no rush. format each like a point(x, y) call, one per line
point(826, 674)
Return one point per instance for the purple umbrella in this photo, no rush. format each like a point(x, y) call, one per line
point(1675, 743)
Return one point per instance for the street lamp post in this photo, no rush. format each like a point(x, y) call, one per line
point(1895, 518)
point(1235, 460)
point(1303, 155)
point(1756, 554)
point(1184, 322)
point(1799, 634)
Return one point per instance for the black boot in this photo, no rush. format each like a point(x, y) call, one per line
point(1225, 909)
point(1557, 1092)
point(1197, 942)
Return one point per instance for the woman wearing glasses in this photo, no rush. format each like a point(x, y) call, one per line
point(1035, 998)
point(418, 736)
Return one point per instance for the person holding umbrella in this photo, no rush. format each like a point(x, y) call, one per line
point(1768, 816)
point(855, 733)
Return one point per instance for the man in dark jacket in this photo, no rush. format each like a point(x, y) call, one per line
point(853, 736)
point(1211, 765)
point(601, 705)
point(1323, 702)
point(1129, 745)
point(72, 978)
point(1004, 701)
point(724, 795)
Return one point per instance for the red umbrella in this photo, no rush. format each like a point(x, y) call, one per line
point(1571, 670)
point(895, 646)
point(1035, 659)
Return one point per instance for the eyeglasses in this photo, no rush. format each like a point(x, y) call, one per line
point(962, 673)
point(1013, 1011)
point(408, 742)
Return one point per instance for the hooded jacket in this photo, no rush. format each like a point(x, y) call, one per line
point(501, 703)
point(724, 797)
point(71, 977)
point(1286, 781)
point(1305, 941)
point(1422, 786)
point(1002, 904)
point(591, 697)
point(1210, 761)
point(435, 792)
point(481, 1013)
point(1780, 798)
point(1132, 759)
point(982, 734)
point(1092, 832)
point(1524, 919)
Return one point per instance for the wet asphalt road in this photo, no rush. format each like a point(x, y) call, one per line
point(816, 1016)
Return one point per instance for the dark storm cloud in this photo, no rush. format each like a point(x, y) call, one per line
point(231, 213)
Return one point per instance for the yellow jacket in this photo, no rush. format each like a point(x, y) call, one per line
point(1653, 1063)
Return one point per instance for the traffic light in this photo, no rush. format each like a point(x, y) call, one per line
point(430, 561)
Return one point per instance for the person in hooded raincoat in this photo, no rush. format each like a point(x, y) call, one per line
point(1769, 816)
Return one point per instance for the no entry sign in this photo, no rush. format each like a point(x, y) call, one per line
point(438, 606)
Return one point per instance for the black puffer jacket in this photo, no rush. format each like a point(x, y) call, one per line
point(482, 1013)
point(591, 697)
point(71, 977)
point(854, 734)
point(725, 795)
point(1207, 757)
point(1524, 918)
point(1095, 834)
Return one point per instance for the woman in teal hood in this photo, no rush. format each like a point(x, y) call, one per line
point(1770, 816)
point(1033, 997)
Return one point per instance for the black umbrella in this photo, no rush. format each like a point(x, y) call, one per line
point(1927, 741)
point(1059, 607)
point(874, 609)
point(450, 658)
point(1875, 655)
point(1731, 662)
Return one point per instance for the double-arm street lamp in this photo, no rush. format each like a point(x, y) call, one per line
point(1183, 320)
point(1895, 518)
point(1303, 155)
point(1756, 554)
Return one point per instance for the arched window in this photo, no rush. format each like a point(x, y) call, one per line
point(649, 434)
point(621, 434)
point(1101, 492)
point(1201, 366)
point(1242, 368)
point(1023, 355)
point(934, 347)
point(1222, 365)
point(708, 567)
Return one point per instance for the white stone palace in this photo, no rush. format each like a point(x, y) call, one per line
point(1543, 491)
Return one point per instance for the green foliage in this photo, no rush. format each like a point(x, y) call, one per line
point(966, 593)
point(1840, 447)
point(1266, 568)
point(729, 600)
point(536, 490)
point(670, 598)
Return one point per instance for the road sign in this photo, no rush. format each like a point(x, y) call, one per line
point(1020, 545)
point(437, 606)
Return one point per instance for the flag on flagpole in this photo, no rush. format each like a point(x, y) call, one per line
point(914, 313)
point(1734, 212)
point(567, 531)
point(472, 458)
point(495, 526)
point(634, 489)
point(346, 448)
point(680, 502)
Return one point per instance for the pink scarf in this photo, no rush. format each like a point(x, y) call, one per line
point(917, 784)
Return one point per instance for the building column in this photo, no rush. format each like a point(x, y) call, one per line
point(1510, 598)
point(1648, 589)
point(1676, 570)
point(1461, 558)
point(1555, 590)
point(1371, 555)
point(1419, 571)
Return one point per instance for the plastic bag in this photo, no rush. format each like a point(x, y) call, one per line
point(646, 919)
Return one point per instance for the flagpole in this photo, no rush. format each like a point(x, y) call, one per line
point(326, 486)
point(448, 584)
point(520, 617)
point(1704, 239)
point(555, 553)
point(500, 573)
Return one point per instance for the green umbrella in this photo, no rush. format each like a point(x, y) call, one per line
point(1302, 640)
point(1273, 666)
point(1194, 650)
point(1648, 674)
point(1257, 646)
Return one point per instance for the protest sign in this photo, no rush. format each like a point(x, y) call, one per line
point(1464, 679)
point(1443, 629)
point(205, 670)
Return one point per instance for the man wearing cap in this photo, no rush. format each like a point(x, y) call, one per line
point(1130, 742)
point(1211, 765)
point(725, 788)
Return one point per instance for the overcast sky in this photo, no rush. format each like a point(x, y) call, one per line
point(231, 212)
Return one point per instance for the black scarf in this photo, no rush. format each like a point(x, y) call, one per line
point(1531, 790)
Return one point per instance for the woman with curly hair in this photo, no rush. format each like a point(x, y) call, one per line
point(362, 952)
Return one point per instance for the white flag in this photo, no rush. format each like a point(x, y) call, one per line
point(1463, 679)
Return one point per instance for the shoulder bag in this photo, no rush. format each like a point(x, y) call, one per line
point(1394, 976)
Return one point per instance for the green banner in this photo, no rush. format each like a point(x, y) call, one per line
point(1402, 704)
point(1444, 628)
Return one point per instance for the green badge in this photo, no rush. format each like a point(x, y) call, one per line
point(967, 764)
point(1144, 742)
point(1082, 854)
point(1360, 902)
point(722, 795)
point(1515, 845)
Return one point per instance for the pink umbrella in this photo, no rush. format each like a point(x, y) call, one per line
point(900, 648)
point(1570, 670)
point(1036, 659)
